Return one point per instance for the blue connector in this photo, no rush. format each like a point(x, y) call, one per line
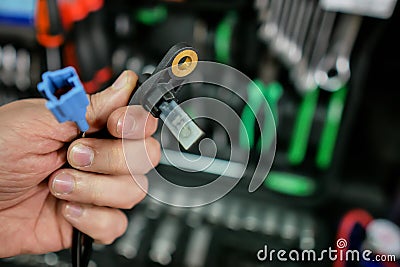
point(66, 95)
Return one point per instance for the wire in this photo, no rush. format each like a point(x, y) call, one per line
point(76, 249)
point(81, 249)
point(82, 244)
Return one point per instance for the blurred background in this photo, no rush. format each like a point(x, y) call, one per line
point(327, 70)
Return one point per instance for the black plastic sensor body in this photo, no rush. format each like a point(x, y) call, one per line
point(152, 94)
point(156, 93)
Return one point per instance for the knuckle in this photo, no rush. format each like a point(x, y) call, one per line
point(95, 191)
point(115, 160)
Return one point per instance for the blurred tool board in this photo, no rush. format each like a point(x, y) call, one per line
point(328, 73)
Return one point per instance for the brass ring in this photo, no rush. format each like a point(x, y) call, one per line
point(182, 69)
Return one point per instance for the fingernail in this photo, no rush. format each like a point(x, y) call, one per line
point(81, 156)
point(63, 184)
point(126, 124)
point(120, 82)
point(73, 210)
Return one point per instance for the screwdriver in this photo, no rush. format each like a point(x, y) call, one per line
point(50, 32)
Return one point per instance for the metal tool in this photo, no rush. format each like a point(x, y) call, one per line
point(216, 212)
point(304, 73)
point(8, 63)
point(163, 245)
point(195, 216)
point(233, 218)
point(252, 218)
point(289, 226)
point(307, 233)
point(382, 9)
point(333, 71)
point(23, 69)
point(300, 69)
point(129, 245)
point(283, 40)
point(198, 246)
point(262, 7)
point(276, 44)
point(15, 67)
point(298, 37)
point(271, 221)
point(270, 27)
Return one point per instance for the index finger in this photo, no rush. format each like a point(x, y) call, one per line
point(132, 122)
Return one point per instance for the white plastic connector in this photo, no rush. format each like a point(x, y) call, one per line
point(180, 124)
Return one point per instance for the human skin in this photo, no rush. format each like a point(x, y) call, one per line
point(41, 199)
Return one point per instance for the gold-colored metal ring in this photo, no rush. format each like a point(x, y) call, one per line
point(182, 69)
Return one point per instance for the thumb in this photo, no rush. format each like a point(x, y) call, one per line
point(105, 102)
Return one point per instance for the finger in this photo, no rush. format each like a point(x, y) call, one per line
point(29, 118)
point(104, 103)
point(103, 224)
point(121, 192)
point(131, 122)
point(107, 156)
point(45, 164)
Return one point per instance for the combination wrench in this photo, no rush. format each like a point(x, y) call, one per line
point(270, 27)
point(277, 43)
point(333, 71)
point(297, 41)
point(305, 72)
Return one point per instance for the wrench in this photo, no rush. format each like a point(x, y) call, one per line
point(305, 81)
point(300, 68)
point(9, 59)
point(270, 27)
point(23, 67)
point(285, 37)
point(296, 43)
point(277, 43)
point(262, 7)
point(333, 71)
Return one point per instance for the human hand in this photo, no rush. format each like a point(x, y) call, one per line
point(40, 200)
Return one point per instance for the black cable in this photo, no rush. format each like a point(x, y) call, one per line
point(81, 249)
point(87, 250)
point(76, 248)
point(82, 246)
